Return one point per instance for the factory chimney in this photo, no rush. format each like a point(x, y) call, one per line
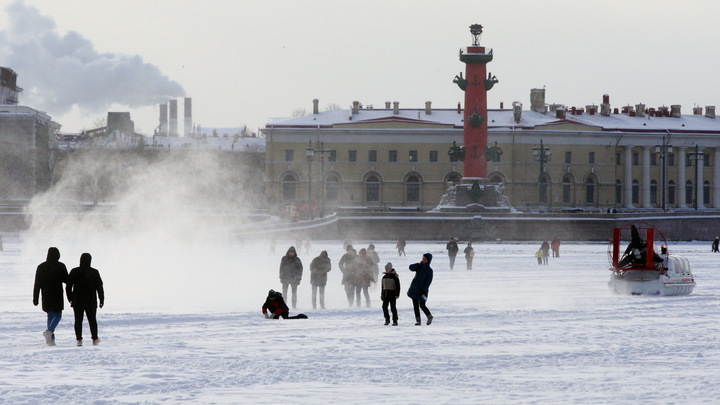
point(163, 119)
point(188, 116)
point(173, 118)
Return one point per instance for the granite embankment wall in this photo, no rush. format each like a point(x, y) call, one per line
point(518, 227)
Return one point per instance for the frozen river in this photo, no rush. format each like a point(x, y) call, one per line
point(183, 325)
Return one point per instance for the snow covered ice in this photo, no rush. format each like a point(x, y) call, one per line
point(509, 331)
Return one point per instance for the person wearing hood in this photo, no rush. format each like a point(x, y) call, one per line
point(389, 293)
point(49, 278)
point(291, 270)
point(349, 267)
point(452, 248)
point(364, 276)
point(319, 268)
point(376, 261)
point(420, 287)
point(276, 308)
point(84, 289)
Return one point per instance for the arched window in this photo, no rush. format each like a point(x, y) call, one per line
point(706, 193)
point(635, 192)
point(653, 192)
point(671, 192)
point(452, 179)
point(332, 188)
point(689, 198)
point(618, 192)
point(590, 190)
point(567, 189)
point(289, 184)
point(372, 189)
point(412, 189)
point(496, 180)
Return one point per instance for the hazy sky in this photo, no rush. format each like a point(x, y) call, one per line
point(245, 61)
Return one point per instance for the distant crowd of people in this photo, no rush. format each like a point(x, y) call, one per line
point(543, 254)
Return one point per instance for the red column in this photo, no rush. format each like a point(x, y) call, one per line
point(475, 138)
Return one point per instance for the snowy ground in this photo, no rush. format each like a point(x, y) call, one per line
point(189, 330)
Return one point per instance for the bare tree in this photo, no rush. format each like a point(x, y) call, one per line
point(333, 106)
point(299, 112)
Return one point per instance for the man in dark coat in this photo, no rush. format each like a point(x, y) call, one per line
point(349, 267)
point(452, 248)
point(420, 287)
point(291, 270)
point(49, 278)
point(275, 305)
point(84, 289)
point(319, 268)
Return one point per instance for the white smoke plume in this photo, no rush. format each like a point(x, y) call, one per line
point(59, 72)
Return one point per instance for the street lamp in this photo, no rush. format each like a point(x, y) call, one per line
point(662, 151)
point(698, 157)
point(542, 155)
point(310, 155)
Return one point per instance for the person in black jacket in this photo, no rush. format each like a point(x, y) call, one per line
point(420, 287)
point(49, 278)
point(84, 289)
point(319, 268)
point(276, 306)
point(389, 293)
point(452, 248)
point(291, 270)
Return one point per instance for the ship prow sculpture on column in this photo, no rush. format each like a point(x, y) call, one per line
point(475, 193)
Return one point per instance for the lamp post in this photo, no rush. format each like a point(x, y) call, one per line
point(310, 155)
point(542, 155)
point(662, 151)
point(698, 157)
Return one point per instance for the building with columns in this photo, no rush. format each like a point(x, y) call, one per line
point(594, 158)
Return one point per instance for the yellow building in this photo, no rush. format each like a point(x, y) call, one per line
point(593, 158)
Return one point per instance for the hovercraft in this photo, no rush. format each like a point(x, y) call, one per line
point(640, 270)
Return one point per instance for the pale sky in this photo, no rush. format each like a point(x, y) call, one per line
point(243, 62)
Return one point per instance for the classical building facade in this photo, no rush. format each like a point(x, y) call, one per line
point(593, 158)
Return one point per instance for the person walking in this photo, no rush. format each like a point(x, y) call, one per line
point(49, 279)
point(555, 246)
point(545, 247)
point(715, 244)
point(469, 254)
point(84, 289)
point(291, 270)
point(348, 267)
point(319, 268)
point(389, 293)
point(400, 246)
point(420, 287)
point(364, 276)
point(372, 254)
point(452, 248)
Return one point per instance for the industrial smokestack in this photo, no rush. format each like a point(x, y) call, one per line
point(188, 116)
point(163, 118)
point(173, 118)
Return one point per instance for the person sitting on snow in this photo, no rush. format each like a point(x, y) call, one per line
point(277, 307)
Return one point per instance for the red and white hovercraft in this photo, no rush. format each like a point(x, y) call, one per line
point(641, 270)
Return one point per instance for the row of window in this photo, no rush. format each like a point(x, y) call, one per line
point(373, 156)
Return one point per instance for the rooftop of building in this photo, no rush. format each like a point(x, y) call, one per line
point(625, 119)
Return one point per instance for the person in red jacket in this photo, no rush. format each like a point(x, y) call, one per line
point(275, 307)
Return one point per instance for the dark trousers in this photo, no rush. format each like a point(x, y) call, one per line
point(417, 305)
point(91, 313)
point(393, 308)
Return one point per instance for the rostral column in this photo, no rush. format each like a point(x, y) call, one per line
point(476, 84)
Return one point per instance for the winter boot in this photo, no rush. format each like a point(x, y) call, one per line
point(395, 323)
point(96, 342)
point(417, 321)
point(387, 321)
point(429, 321)
point(78, 342)
point(48, 337)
